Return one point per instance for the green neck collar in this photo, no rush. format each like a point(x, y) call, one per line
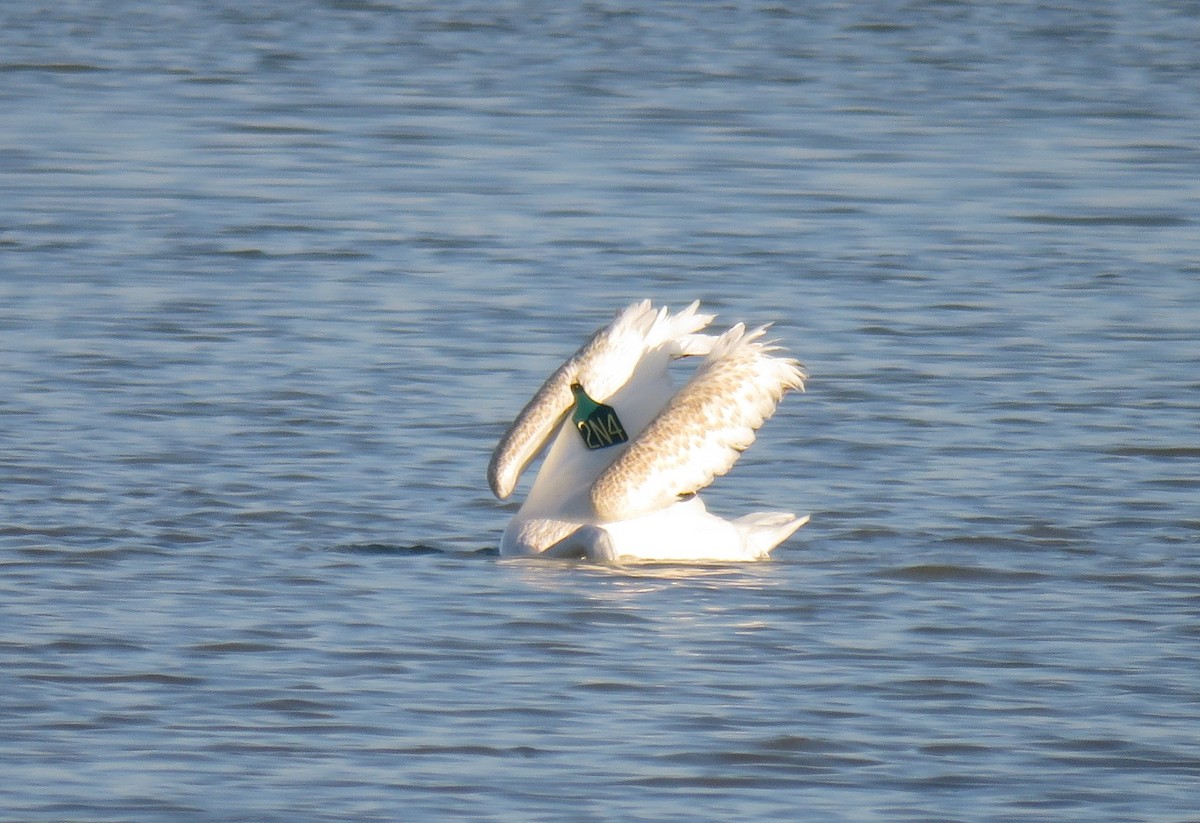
point(596, 423)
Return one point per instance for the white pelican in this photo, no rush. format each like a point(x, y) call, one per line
point(629, 453)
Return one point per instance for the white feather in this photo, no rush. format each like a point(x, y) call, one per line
point(625, 501)
point(703, 429)
point(603, 364)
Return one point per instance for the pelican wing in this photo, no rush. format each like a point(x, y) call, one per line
point(702, 430)
point(602, 365)
point(530, 431)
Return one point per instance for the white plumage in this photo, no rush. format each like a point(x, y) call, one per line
point(608, 500)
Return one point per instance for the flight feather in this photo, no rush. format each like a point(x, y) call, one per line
point(603, 364)
point(702, 431)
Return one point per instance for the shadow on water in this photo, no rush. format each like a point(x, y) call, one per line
point(413, 550)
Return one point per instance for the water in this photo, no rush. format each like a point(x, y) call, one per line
point(275, 277)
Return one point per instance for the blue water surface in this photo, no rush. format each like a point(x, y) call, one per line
point(276, 276)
